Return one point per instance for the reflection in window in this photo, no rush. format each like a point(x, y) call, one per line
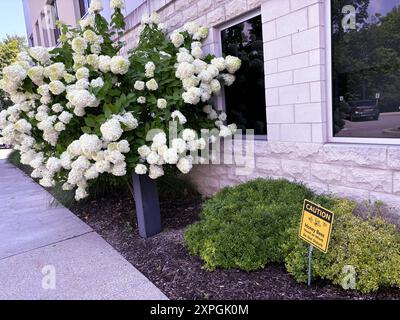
point(366, 64)
point(245, 99)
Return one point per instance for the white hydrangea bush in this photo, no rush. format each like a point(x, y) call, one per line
point(82, 110)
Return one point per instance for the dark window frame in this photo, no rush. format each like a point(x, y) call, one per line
point(57, 32)
point(222, 103)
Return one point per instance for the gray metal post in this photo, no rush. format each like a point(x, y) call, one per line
point(147, 205)
point(310, 250)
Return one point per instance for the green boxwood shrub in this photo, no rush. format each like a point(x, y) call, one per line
point(371, 246)
point(249, 226)
point(244, 227)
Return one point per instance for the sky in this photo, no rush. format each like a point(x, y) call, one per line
point(383, 6)
point(12, 18)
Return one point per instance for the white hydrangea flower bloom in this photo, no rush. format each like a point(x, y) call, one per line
point(129, 121)
point(233, 64)
point(65, 117)
point(79, 45)
point(90, 36)
point(59, 127)
point(24, 56)
point(105, 64)
point(103, 166)
point(219, 63)
point(95, 48)
point(197, 52)
point(56, 87)
point(57, 108)
point(156, 172)
point(93, 60)
point(91, 173)
point(123, 146)
point(119, 65)
point(201, 144)
point(171, 156)
point(189, 135)
point(223, 116)
point(36, 75)
point(185, 70)
point(190, 82)
point(55, 71)
point(225, 131)
point(81, 99)
point(40, 54)
point(177, 39)
point(228, 79)
point(233, 128)
point(152, 19)
point(179, 145)
point(90, 145)
point(23, 126)
point(67, 187)
point(184, 56)
point(144, 151)
point(159, 140)
point(192, 96)
point(201, 33)
point(208, 109)
point(82, 73)
point(88, 21)
point(141, 100)
point(162, 103)
point(155, 18)
point(139, 85)
point(111, 130)
point(141, 169)
point(14, 73)
point(152, 85)
point(53, 165)
point(117, 4)
point(181, 118)
point(152, 158)
point(191, 27)
point(96, 6)
point(97, 83)
point(150, 68)
point(215, 86)
point(185, 165)
point(81, 194)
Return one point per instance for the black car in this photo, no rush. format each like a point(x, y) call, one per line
point(364, 110)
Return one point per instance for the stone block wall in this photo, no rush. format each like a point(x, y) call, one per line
point(294, 33)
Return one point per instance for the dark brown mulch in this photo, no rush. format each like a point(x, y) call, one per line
point(164, 260)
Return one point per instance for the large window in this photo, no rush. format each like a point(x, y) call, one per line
point(366, 68)
point(245, 99)
point(37, 32)
point(57, 31)
point(84, 7)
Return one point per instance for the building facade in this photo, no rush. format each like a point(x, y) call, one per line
point(327, 114)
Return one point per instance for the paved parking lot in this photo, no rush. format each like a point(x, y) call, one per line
point(371, 128)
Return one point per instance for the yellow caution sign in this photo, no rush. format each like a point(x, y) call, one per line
point(316, 225)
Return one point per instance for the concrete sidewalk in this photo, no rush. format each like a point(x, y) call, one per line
point(48, 253)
